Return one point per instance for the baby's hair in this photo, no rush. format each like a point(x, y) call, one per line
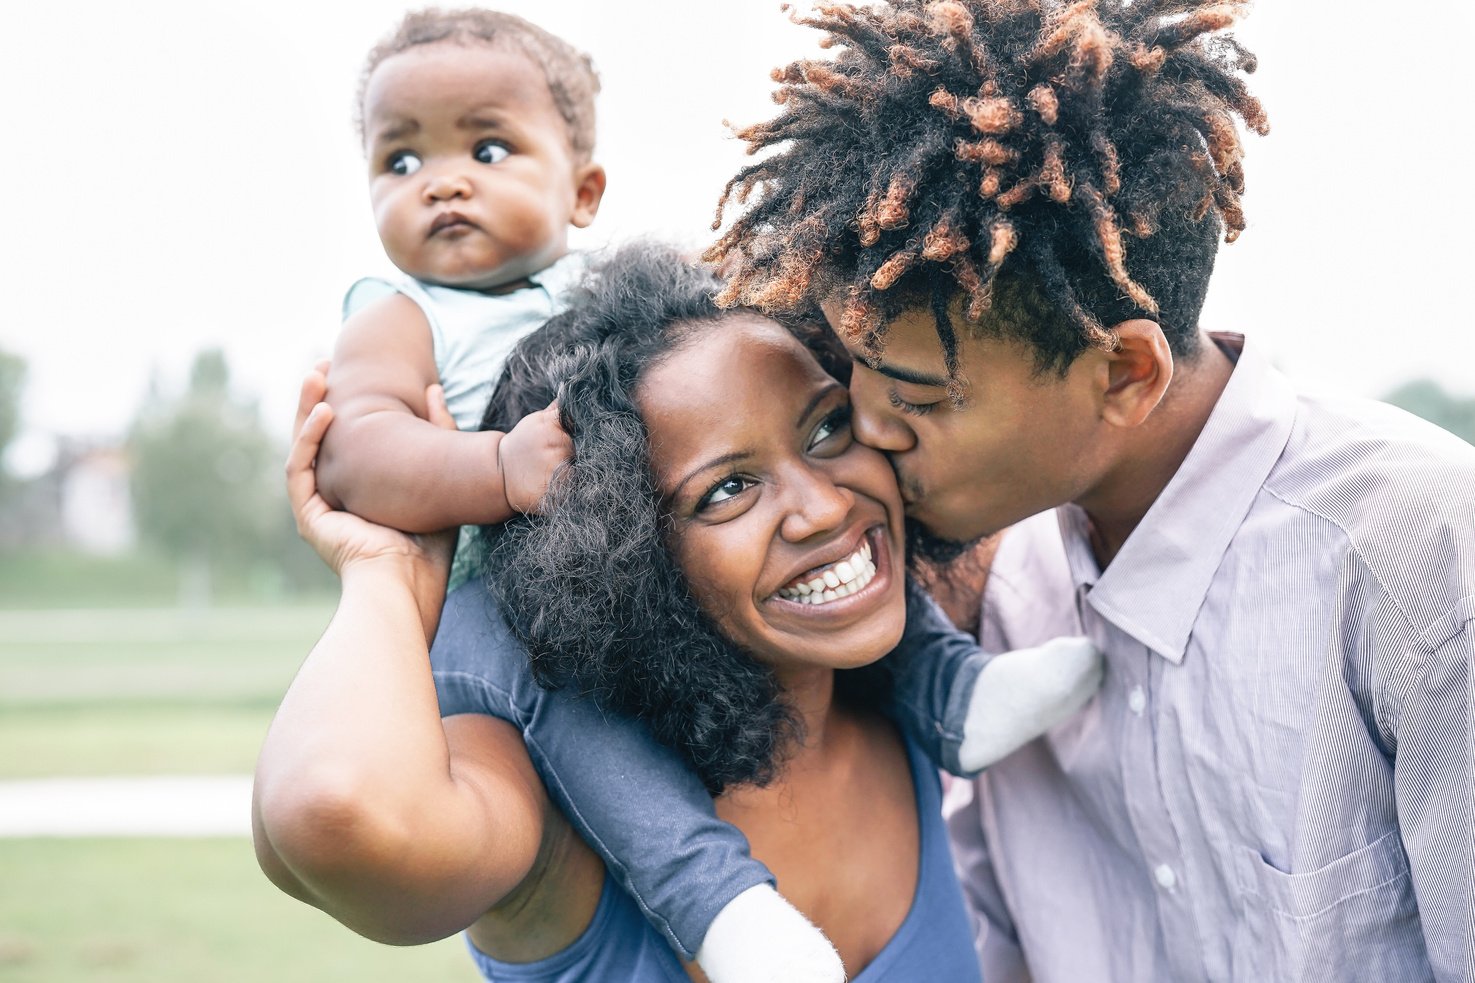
point(1060, 167)
point(569, 72)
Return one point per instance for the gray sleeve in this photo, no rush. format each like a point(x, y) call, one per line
point(635, 802)
point(934, 670)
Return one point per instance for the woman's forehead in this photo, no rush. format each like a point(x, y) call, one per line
point(727, 383)
point(738, 357)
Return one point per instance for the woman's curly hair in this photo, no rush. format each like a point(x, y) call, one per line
point(1068, 165)
point(588, 584)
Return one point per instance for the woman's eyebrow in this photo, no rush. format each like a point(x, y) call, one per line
point(815, 400)
point(716, 462)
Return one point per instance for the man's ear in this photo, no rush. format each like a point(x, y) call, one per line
point(588, 193)
point(1138, 373)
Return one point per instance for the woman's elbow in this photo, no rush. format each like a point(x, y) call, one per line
point(326, 828)
point(324, 847)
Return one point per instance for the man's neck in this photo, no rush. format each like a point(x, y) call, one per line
point(1153, 452)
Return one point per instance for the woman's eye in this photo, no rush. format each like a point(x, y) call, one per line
point(837, 424)
point(915, 409)
point(403, 163)
point(723, 490)
point(490, 152)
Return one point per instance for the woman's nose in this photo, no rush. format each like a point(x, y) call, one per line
point(445, 186)
point(874, 421)
point(817, 505)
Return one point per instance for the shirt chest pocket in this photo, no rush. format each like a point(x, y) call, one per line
point(1353, 919)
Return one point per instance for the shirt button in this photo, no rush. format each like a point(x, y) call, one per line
point(1137, 700)
point(1166, 879)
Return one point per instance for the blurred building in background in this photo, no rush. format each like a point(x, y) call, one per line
point(81, 503)
point(95, 505)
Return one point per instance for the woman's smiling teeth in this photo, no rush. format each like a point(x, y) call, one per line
point(835, 581)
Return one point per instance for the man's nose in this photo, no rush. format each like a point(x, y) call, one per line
point(875, 422)
point(445, 185)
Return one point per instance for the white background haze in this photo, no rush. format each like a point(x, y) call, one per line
point(179, 175)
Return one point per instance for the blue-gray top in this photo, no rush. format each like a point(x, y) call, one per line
point(934, 942)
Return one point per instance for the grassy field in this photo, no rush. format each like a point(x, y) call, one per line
point(60, 579)
point(118, 690)
point(111, 691)
point(159, 911)
point(129, 739)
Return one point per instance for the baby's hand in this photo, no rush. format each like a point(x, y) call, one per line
point(529, 455)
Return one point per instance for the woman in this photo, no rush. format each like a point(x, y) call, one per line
point(407, 827)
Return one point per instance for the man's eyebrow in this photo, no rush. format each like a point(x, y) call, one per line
point(716, 462)
point(397, 131)
point(902, 374)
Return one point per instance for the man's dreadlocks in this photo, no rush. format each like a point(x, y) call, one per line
point(1002, 151)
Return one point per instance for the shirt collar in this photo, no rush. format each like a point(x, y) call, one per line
point(1155, 585)
point(560, 275)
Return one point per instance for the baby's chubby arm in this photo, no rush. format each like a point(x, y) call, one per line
point(385, 462)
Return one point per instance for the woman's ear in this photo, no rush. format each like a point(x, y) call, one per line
point(1138, 373)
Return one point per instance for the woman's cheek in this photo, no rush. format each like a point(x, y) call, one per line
point(732, 564)
point(874, 477)
point(709, 561)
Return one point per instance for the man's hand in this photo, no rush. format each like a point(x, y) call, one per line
point(529, 455)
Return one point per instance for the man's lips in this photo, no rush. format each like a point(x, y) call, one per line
point(911, 495)
point(908, 487)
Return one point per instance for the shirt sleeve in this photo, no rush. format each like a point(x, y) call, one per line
point(934, 670)
point(1435, 786)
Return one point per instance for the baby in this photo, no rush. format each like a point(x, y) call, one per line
point(479, 132)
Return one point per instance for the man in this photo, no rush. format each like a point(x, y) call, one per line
point(1009, 212)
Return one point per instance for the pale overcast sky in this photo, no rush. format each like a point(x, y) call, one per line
point(186, 174)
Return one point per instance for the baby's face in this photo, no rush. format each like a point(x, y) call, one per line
point(471, 173)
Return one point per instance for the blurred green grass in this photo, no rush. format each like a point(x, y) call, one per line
point(130, 739)
point(101, 675)
point(156, 911)
point(58, 578)
point(109, 691)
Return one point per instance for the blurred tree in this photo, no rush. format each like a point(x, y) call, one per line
point(12, 382)
point(206, 488)
point(1428, 399)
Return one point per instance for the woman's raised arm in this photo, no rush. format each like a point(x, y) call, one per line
point(363, 805)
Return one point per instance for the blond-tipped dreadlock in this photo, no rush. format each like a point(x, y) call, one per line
point(1068, 165)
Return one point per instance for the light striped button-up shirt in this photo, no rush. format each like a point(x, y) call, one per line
point(1275, 780)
